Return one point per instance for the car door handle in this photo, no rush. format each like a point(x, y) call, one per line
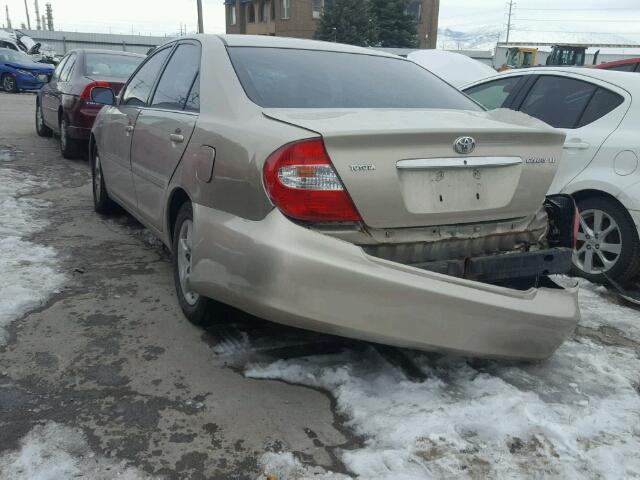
point(576, 145)
point(128, 129)
point(176, 138)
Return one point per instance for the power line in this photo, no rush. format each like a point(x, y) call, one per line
point(582, 9)
point(574, 21)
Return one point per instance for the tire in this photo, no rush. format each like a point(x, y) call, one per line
point(196, 308)
point(69, 148)
point(9, 83)
point(620, 261)
point(41, 128)
point(101, 202)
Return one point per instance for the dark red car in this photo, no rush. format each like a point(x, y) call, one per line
point(64, 105)
point(626, 65)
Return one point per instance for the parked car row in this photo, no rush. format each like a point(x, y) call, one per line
point(356, 193)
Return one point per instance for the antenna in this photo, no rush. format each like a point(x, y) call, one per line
point(26, 9)
point(511, 5)
point(37, 8)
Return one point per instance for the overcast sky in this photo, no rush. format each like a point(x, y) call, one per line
point(165, 16)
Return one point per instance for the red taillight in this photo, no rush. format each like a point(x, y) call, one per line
point(303, 184)
point(576, 227)
point(86, 92)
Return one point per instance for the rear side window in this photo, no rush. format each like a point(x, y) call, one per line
point(107, 65)
point(602, 103)
point(193, 101)
point(178, 78)
point(68, 68)
point(139, 88)
point(291, 78)
point(493, 94)
point(629, 67)
point(59, 68)
point(558, 101)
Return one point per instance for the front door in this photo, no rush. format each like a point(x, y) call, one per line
point(163, 131)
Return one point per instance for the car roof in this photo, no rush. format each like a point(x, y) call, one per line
point(110, 52)
point(286, 42)
point(625, 80)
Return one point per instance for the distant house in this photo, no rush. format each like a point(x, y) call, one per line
point(299, 18)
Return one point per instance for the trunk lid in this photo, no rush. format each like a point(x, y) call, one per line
point(401, 169)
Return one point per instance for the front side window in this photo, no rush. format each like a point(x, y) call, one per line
point(139, 87)
point(178, 78)
point(286, 9)
point(558, 101)
point(492, 95)
point(291, 78)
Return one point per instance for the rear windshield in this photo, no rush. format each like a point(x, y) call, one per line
point(290, 78)
point(109, 65)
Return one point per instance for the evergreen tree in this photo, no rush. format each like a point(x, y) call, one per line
point(394, 27)
point(346, 21)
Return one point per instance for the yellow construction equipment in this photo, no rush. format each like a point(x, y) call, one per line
point(520, 57)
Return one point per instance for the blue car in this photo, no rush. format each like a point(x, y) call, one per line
point(19, 72)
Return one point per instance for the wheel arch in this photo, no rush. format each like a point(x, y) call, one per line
point(177, 198)
point(594, 193)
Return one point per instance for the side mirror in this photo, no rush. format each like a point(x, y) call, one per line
point(103, 96)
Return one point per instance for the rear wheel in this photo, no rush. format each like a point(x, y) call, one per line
point(196, 308)
point(101, 201)
point(69, 148)
point(9, 83)
point(41, 129)
point(608, 245)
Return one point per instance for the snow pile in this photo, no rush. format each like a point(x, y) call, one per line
point(284, 466)
point(454, 68)
point(28, 272)
point(576, 415)
point(53, 451)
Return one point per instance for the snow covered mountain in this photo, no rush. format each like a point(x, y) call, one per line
point(485, 37)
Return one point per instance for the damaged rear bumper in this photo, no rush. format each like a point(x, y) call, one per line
point(289, 274)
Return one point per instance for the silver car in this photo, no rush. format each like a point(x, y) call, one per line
point(342, 190)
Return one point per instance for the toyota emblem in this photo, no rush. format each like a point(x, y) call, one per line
point(464, 145)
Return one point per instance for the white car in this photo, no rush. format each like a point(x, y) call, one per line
point(599, 167)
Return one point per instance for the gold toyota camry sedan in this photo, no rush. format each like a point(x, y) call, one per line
point(342, 190)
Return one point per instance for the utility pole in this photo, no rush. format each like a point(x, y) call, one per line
point(511, 4)
point(8, 18)
point(37, 7)
point(44, 23)
point(49, 11)
point(26, 9)
point(200, 20)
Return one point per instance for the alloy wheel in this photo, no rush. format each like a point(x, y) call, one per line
point(8, 83)
point(184, 261)
point(599, 242)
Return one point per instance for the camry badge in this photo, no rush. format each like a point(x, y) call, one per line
point(464, 145)
point(362, 168)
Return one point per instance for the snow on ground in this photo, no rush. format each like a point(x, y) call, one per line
point(576, 415)
point(28, 272)
point(53, 452)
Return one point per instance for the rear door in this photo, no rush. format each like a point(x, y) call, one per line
point(119, 123)
point(163, 130)
point(588, 112)
point(50, 96)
